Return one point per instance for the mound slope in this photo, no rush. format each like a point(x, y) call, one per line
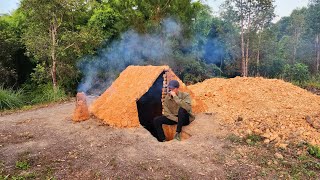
point(272, 108)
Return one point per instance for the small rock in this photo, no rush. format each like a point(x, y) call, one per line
point(257, 131)
point(283, 146)
point(275, 162)
point(309, 120)
point(268, 131)
point(278, 156)
point(299, 152)
point(248, 141)
point(266, 135)
point(306, 133)
point(266, 141)
point(239, 119)
point(273, 137)
point(313, 122)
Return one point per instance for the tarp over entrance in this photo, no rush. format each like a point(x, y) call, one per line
point(117, 105)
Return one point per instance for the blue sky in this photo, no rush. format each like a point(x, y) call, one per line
point(283, 7)
point(6, 6)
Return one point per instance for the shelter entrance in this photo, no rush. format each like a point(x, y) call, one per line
point(150, 106)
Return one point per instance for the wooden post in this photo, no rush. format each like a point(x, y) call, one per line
point(164, 87)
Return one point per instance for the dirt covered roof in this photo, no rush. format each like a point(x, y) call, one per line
point(117, 105)
point(272, 108)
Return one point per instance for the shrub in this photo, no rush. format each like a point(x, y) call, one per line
point(10, 99)
point(40, 74)
point(270, 69)
point(314, 82)
point(46, 93)
point(297, 73)
point(197, 71)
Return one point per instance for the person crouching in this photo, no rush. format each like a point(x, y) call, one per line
point(176, 110)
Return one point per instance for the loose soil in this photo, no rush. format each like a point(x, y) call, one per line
point(272, 108)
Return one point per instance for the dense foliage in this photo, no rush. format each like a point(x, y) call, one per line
point(79, 43)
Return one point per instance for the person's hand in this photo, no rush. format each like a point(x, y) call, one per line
point(173, 94)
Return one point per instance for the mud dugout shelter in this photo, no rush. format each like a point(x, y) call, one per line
point(136, 96)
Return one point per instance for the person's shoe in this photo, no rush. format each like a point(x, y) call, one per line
point(177, 136)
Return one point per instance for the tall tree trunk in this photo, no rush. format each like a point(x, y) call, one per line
point(243, 64)
point(318, 52)
point(258, 55)
point(248, 43)
point(243, 60)
point(53, 30)
point(247, 55)
point(295, 46)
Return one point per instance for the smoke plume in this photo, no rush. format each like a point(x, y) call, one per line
point(132, 48)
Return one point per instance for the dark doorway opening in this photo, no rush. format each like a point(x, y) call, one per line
point(150, 106)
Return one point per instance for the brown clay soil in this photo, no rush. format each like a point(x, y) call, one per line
point(271, 108)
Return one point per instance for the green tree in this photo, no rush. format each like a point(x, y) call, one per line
point(8, 44)
point(313, 17)
point(56, 34)
point(14, 65)
point(250, 16)
point(298, 73)
point(264, 50)
point(296, 28)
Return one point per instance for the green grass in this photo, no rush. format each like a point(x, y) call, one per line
point(18, 177)
point(23, 165)
point(234, 138)
point(10, 99)
point(314, 151)
point(305, 166)
point(312, 84)
point(28, 96)
point(46, 93)
point(253, 139)
point(4, 177)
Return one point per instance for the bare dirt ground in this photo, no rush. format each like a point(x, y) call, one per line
point(54, 147)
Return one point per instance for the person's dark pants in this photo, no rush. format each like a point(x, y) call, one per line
point(183, 120)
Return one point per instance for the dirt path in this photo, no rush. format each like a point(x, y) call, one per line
point(56, 147)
